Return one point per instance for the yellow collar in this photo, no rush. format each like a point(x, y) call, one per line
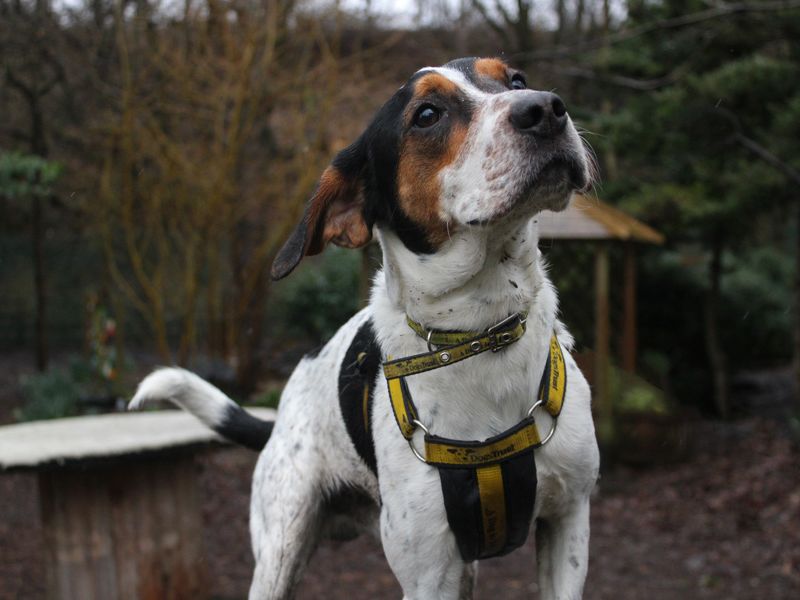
point(455, 346)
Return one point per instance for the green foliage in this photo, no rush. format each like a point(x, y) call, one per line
point(58, 392)
point(696, 158)
point(670, 326)
point(24, 176)
point(679, 147)
point(268, 399)
point(319, 297)
point(49, 395)
point(755, 316)
point(632, 394)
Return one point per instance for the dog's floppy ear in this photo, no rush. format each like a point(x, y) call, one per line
point(335, 213)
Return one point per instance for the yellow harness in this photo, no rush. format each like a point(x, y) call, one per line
point(489, 486)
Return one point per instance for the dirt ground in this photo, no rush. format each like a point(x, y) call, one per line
point(725, 524)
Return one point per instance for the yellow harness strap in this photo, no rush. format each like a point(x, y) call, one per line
point(451, 338)
point(493, 508)
point(467, 344)
point(554, 380)
point(489, 486)
point(552, 390)
point(518, 439)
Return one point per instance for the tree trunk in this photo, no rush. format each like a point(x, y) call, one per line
point(602, 327)
point(561, 27)
point(797, 312)
point(39, 284)
point(39, 148)
point(249, 337)
point(250, 289)
point(580, 10)
point(716, 355)
point(629, 310)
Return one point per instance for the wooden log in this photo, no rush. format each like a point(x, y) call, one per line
point(629, 310)
point(602, 392)
point(129, 530)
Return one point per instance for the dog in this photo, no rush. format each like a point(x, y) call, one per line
point(449, 176)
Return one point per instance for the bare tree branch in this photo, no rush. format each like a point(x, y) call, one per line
point(641, 85)
point(753, 146)
point(497, 27)
point(717, 12)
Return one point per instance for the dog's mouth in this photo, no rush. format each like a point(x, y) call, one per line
point(561, 171)
point(550, 186)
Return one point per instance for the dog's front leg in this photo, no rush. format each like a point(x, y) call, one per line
point(562, 551)
point(285, 515)
point(418, 543)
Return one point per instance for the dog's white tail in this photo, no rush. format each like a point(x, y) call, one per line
point(204, 401)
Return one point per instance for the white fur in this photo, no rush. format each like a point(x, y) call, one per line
point(477, 399)
point(475, 279)
point(185, 389)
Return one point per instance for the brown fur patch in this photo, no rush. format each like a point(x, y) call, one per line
point(331, 184)
point(493, 68)
point(418, 187)
point(434, 83)
point(334, 214)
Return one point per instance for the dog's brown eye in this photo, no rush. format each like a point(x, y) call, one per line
point(426, 116)
point(518, 82)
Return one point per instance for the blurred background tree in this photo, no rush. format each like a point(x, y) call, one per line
point(191, 133)
point(28, 180)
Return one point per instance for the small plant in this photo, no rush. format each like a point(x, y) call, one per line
point(321, 296)
point(632, 394)
point(50, 395)
point(65, 392)
point(267, 399)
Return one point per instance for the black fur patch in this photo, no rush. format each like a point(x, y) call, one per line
point(359, 369)
point(243, 428)
point(382, 139)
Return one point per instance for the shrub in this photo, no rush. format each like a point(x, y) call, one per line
point(319, 297)
point(49, 395)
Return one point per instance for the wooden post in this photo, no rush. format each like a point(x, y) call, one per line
point(602, 395)
point(797, 314)
point(128, 530)
point(629, 310)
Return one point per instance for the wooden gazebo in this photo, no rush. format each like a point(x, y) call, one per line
point(588, 219)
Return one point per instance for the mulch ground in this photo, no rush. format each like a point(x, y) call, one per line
point(724, 524)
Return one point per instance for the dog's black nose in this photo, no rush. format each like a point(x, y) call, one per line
point(541, 113)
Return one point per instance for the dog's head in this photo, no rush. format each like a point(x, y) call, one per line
point(462, 146)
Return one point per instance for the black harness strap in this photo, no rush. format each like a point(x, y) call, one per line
point(356, 389)
point(490, 509)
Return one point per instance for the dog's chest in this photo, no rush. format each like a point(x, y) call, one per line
point(489, 504)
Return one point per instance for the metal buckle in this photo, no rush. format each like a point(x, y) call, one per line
point(536, 405)
point(411, 440)
point(428, 341)
point(498, 342)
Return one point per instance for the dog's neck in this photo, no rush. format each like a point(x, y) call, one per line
point(478, 278)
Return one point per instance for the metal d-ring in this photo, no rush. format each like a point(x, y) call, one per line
point(549, 435)
point(411, 441)
point(428, 340)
